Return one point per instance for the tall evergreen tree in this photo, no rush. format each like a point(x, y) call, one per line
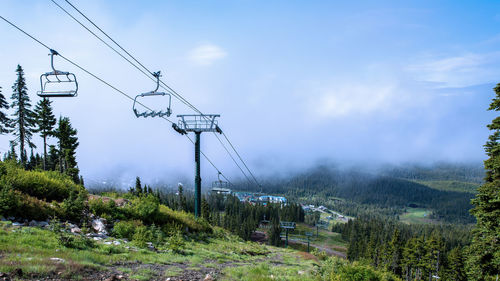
point(274, 233)
point(68, 142)
point(24, 117)
point(12, 155)
point(5, 122)
point(138, 186)
point(182, 199)
point(484, 257)
point(53, 158)
point(456, 270)
point(45, 122)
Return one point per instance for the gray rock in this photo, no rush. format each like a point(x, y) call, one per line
point(99, 226)
point(76, 229)
point(18, 224)
point(57, 260)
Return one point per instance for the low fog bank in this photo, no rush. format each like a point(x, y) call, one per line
point(121, 179)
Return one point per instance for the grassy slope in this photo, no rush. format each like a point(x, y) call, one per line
point(416, 216)
point(31, 250)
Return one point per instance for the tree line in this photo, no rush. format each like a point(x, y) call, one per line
point(450, 252)
point(412, 252)
point(26, 121)
point(227, 211)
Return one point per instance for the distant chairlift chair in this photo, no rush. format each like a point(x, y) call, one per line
point(220, 184)
point(53, 84)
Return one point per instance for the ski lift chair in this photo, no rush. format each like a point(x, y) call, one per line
point(153, 113)
point(57, 83)
point(220, 184)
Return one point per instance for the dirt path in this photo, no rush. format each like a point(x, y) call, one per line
point(327, 250)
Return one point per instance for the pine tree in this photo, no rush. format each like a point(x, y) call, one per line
point(5, 122)
point(394, 253)
point(274, 233)
point(53, 158)
point(68, 142)
point(138, 186)
point(12, 155)
point(455, 271)
point(45, 121)
point(484, 257)
point(205, 209)
point(182, 199)
point(24, 118)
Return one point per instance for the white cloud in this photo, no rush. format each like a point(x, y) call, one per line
point(206, 54)
point(372, 93)
point(458, 71)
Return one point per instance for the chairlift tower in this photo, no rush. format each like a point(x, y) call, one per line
point(197, 123)
point(287, 225)
point(308, 235)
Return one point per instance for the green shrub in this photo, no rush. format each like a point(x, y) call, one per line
point(167, 216)
point(126, 229)
point(145, 208)
point(334, 269)
point(176, 243)
point(19, 205)
point(158, 235)
point(101, 208)
point(47, 185)
point(9, 201)
point(142, 235)
point(70, 240)
point(73, 206)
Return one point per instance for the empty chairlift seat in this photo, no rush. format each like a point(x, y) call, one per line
point(57, 83)
point(153, 112)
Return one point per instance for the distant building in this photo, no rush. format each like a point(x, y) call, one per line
point(273, 199)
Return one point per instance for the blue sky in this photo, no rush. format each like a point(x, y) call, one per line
point(295, 82)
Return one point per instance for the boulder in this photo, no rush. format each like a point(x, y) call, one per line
point(99, 225)
point(76, 229)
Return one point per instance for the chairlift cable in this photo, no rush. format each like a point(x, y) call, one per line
point(164, 85)
point(241, 159)
point(25, 33)
point(234, 160)
point(100, 39)
point(107, 84)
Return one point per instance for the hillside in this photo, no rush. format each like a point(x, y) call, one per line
point(52, 229)
point(393, 188)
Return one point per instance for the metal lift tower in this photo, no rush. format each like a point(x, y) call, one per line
point(197, 123)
